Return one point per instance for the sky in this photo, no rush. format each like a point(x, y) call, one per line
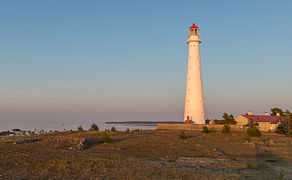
point(127, 60)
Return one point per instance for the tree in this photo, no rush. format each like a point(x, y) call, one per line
point(251, 123)
point(252, 129)
point(229, 119)
point(113, 129)
point(80, 129)
point(276, 110)
point(94, 127)
point(287, 113)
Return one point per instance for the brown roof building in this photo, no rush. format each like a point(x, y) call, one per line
point(266, 122)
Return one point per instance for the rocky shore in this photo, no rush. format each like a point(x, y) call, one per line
point(18, 132)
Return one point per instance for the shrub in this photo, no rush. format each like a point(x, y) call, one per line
point(171, 159)
point(113, 129)
point(182, 135)
point(282, 128)
point(128, 130)
point(226, 129)
point(105, 138)
point(229, 119)
point(253, 128)
point(80, 129)
point(205, 129)
point(94, 127)
point(246, 138)
point(253, 131)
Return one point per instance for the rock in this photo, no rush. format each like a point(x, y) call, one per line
point(247, 142)
point(268, 142)
point(6, 133)
point(82, 145)
point(27, 141)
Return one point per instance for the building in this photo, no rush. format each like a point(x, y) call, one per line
point(194, 102)
point(266, 122)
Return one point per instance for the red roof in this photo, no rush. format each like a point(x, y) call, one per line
point(194, 26)
point(264, 118)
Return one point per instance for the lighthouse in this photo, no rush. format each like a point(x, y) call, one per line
point(194, 102)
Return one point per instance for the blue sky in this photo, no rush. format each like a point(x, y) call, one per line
point(127, 60)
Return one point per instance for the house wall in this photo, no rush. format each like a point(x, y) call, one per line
point(267, 127)
point(241, 120)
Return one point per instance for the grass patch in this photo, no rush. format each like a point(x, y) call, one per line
point(182, 135)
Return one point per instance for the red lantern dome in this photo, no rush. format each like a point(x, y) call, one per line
point(194, 26)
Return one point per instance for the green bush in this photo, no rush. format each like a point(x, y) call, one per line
point(226, 129)
point(113, 129)
point(182, 135)
point(128, 130)
point(94, 127)
point(205, 129)
point(80, 129)
point(105, 138)
point(253, 131)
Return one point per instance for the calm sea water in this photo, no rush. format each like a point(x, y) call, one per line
point(68, 125)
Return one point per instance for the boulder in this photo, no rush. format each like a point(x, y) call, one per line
point(268, 142)
point(27, 141)
point(82, 145)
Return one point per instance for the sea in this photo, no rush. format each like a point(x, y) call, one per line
point(31, 125)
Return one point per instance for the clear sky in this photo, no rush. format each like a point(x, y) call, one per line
point(127, 60)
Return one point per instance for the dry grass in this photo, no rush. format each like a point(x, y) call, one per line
point(146, 155)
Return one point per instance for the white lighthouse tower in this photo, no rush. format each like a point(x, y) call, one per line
point(194, 102)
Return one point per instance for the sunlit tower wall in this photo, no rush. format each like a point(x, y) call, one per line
point(194, 102)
